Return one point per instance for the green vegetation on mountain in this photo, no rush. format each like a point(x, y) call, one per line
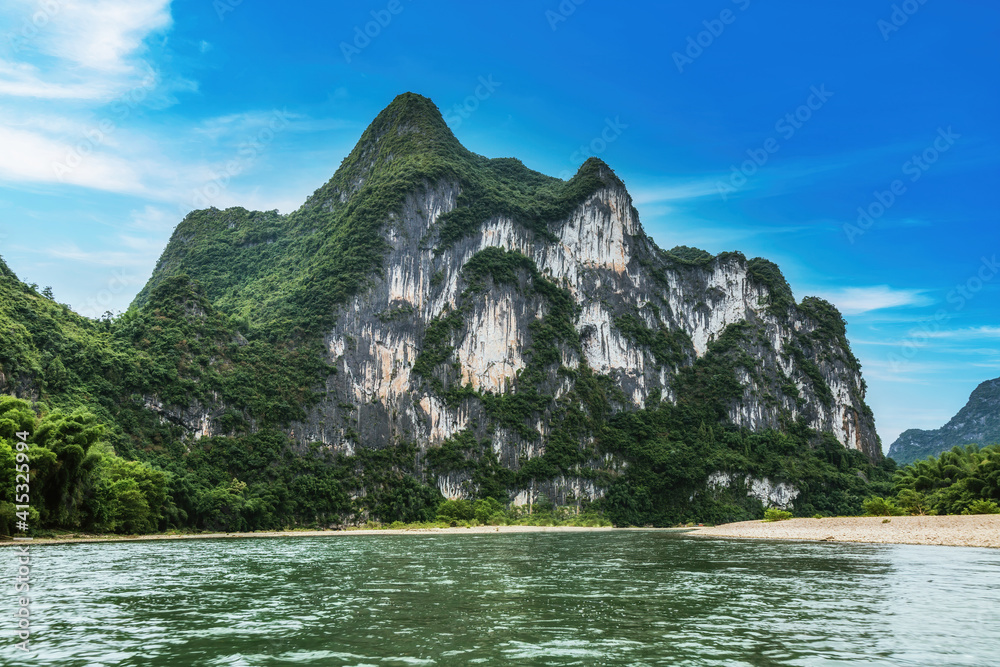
point(688, 255)
point(768, 274)
point(670, 347)
point(672, 449)
point(504, 186)
point(285, 275)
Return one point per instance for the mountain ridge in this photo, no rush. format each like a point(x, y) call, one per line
point(407, 147)
point(978, 422)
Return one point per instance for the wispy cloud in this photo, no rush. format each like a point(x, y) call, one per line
point(77, 49)
point(857, 300)
point(71, 252)
point(971, 333)
point(912, 372)
point(888, 342)
point(30, 156)
point(781, 176)
point(72, 73)
point(677, 191)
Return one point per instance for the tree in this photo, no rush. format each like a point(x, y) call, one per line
point(61, 465)
point(130, 497)
point(222, 507)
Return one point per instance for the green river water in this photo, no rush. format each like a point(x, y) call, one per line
point(600, 598)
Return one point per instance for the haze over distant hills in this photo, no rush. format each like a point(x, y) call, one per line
point(977, 423)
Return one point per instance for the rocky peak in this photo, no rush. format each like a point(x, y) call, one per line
point(408, 135)
point(605, 173)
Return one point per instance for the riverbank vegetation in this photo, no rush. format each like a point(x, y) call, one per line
point(252, 483)
point(965, 480)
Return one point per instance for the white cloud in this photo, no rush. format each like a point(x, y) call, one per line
point(30, 156)
point(26, 80)
point(102, 35)
point(78, 49)
point(73, 253)
point(888, 342)
point(857, 300)
point(240, 126)
point(75, 77)
point(674, 191)
point(971, 333)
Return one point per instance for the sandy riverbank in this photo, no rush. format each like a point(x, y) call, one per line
point(963, 531)
point(981, 530)
point(308, 533)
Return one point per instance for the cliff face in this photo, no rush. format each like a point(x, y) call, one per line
point(977, 423)
point(619, 282)
point(496, 302)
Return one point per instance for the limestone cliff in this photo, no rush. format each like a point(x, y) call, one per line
point(492, 297)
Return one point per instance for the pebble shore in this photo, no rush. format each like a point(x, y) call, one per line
point(981, 530)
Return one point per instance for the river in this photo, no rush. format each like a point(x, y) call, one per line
point(602, 598)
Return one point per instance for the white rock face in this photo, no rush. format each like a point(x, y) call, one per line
point(607, 351)
point(387, 377)
point(595, 236)
point(443, 423)
point(734, 300)
point(843, 420)
point(602, 258)
point(454, 486)
point(490, 352)
point(568, 487)
point(779, 495)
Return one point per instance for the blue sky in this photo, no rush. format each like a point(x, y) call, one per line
point(736, 124)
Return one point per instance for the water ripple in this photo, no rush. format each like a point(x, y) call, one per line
point(635, 598)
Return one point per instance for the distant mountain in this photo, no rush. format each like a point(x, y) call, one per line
point(977, 423)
